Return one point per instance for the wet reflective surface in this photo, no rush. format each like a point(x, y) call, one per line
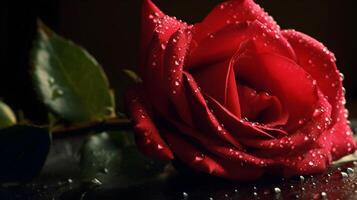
point(60, 180)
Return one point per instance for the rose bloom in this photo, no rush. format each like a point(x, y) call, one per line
point(237, 97)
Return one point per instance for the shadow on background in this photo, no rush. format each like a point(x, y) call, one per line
point(110, 31)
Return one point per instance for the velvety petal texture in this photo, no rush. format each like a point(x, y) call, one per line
point(236, 97)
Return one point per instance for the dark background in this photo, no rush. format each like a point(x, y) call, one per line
point(110, 31)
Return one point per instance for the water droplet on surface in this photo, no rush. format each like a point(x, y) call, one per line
point(344, 175)
point(311, 163)
point(95, 182)
point(159, 146)
point(350, 170)
point(277, 190)
point(70, 180)
point(177, 83)
point(302, 178)
point(185, 195)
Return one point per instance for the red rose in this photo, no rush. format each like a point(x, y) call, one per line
point(236, 97)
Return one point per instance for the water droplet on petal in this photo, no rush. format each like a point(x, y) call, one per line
point(323, 195)
point(342, 77)
point(160, 146)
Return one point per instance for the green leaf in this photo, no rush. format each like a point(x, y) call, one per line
point(23, 151)
point(113, 159)
point(69, 80)
point(7, 116)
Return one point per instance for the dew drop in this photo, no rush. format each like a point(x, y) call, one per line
point(323, 195)
point(51, 81)
point(185, 195)
point(163, 46)
point(199, 158)
point(311, 163)
point(302, 178)
point(177, 83)
point(159, 146)
point(344, 175)
point(342, 77)
point(177, 63)
point(350, 170)
point(277, 190)
point(56, 93)
point(96, 182)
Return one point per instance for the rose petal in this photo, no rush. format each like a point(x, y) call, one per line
point(207, 123)
point(222, 45)
point(150, 15)
point(174, 60)
point(279, 76)
point(299, 141)
point(220, 148)
point(240, 128)
point(200, 160)
point(339, 139)
point(234, 11)
point(262, 107)
point(147, 136)
point(218, 81)
point(315, 59)
point(153, 71)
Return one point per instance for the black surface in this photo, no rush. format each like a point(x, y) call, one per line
point(60, 179)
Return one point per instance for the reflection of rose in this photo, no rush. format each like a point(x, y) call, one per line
point(234, 96)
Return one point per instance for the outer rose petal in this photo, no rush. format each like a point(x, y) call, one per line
point(153, 70)
point(222, 44)
point(315, 59)
point(150, 14)
point(320, 63)
point(196, 159)
point(174, 60)
point(147, 135)
point(234, 11)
